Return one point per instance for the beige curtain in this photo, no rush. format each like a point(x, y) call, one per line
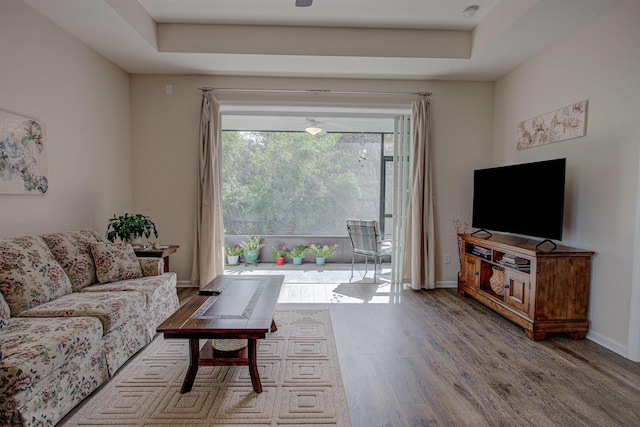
point(419, 266)
point(208, 247)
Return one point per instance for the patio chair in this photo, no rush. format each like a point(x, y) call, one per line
point(366, 242)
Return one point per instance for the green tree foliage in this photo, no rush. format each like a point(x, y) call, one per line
point(288, 183)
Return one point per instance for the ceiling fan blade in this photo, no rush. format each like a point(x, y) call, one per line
point(303, 3)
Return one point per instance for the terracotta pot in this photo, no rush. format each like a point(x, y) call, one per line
point(280, 261)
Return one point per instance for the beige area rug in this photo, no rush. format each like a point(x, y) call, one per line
point(298, 366)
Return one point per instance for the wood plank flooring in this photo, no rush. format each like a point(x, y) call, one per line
point(431, 358)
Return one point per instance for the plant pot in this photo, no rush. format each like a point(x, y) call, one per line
point(296, 260)
point(319, 261)
point(233, 259)
point(136, 241)
point(251, 255)
point(280, 261)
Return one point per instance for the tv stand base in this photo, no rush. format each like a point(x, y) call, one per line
point(540, 290)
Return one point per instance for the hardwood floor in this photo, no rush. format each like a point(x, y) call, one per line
point(430, 358)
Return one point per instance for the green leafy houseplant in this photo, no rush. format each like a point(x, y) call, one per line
point(279, 251)
point(130, 226)
point(297, 252)
point(252, 243)
point(251, 249)
point(324, 251)
point(233, 250)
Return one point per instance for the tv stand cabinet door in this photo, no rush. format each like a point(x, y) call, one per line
point(517, 290)
point(471, 270)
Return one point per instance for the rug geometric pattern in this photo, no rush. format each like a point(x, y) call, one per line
point(299, 371)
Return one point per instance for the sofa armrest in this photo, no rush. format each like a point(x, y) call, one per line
point(151, 266)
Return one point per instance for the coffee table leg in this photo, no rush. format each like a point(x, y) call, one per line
point(253, 365)
point(194, 355)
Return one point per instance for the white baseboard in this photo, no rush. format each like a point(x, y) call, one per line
point(446, 284)
point(616, 347)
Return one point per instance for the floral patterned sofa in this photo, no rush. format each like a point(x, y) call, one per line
point(73, 309)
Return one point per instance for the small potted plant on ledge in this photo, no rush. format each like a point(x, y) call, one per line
point(130, 228)
point(233, 254)
point(322, 252)
point(297, 253)
point(279, 252)
point(251, 249)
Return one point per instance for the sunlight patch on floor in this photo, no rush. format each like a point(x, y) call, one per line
point(331, 283)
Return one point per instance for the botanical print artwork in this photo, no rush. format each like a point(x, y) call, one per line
point(565, 123)
point(23, 155)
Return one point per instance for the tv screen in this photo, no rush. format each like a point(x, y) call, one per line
point(525, 199)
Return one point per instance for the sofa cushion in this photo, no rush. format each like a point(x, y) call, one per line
point(112, 308)
point(153, 287)
point(115, 261)
point(5, 312)
point(33, 348)
point(29, 274)
point(71, 250)
point(151, 266)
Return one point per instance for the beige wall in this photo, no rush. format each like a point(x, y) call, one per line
point(92, 116)
point(599, 63)
point(84, 102)
point(165, 133)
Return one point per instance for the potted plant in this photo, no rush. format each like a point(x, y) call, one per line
point(233, 254)
point(322, 252)
point(251, 249)
point(130, 228)
point(297, 253)
point(279, 252)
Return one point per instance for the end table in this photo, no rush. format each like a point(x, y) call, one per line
point(161, 252)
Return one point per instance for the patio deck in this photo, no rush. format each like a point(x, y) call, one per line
point(330, 283)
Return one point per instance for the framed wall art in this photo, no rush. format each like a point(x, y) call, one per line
point(23, 155)
point(559, 125)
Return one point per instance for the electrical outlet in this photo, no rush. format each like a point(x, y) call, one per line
point(447, 258)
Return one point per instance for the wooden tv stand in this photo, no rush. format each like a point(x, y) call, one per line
point(545, 291)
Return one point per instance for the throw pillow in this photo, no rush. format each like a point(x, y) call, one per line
point(115, 262)
point(98, 237)
point(29, 274)
point(71, 250)
point(5, 312)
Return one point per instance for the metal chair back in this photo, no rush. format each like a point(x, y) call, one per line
point(365, 241)
point(364, 235)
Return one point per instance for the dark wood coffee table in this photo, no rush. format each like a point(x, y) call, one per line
point(243, 309)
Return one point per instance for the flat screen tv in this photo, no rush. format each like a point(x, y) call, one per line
point(525, 199)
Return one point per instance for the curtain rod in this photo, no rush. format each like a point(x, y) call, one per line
point(314, 91)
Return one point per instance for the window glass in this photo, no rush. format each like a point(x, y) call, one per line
point(388, 145)
point(293, 183)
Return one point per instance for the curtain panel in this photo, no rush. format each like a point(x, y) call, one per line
point(418, 257)
point(208, 246)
